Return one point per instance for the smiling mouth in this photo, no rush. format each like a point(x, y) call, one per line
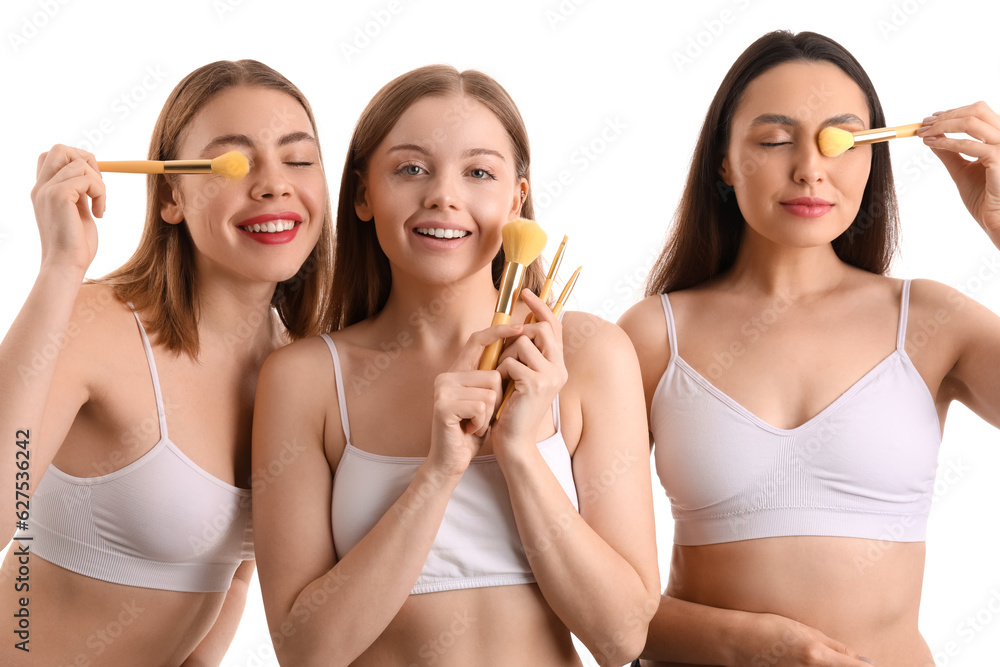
point(442, 233)
point(272, 227)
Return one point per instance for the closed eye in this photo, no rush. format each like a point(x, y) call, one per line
point(770, 144)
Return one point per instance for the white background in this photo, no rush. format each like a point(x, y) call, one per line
point(642, 73)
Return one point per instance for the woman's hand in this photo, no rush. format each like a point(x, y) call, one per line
point(776, 641)
point(464, 401)
point(533, 362)
point(68, 179)
point(978, 180)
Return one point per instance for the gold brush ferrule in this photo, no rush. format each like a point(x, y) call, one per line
point(872, 136)
point(510, 287)
point(187, 167)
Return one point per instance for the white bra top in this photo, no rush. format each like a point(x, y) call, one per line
point(477, 544)
point(863, 467)
point(160, 522)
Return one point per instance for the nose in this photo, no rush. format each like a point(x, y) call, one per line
point(810, 164)
point(269, 179)
point(442, 192)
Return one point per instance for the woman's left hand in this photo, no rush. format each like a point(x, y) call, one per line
point(534, 363)
point(978, 180)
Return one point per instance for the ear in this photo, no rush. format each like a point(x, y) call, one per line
point(726, 172)
point(171, 209)
point(362, 206)
point(517, 202)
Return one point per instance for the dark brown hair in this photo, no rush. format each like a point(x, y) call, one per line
point(362, 277)
point(708, 225)
point(159, 279)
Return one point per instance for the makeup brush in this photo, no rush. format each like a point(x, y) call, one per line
point(523, 241)
point(543, 295)
point(556, 310)
point(232, 165)
point(833, 141)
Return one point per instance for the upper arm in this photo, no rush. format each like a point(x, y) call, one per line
point(75, 358)
point(645, 326)
point(611, 461)
point(971, 352)
point(292, 481)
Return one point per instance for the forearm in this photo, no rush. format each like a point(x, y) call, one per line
point(686, 632)
point(336, 617)
point(596, 592)
point(212, 649)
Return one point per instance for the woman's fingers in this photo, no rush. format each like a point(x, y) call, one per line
point(468, 357)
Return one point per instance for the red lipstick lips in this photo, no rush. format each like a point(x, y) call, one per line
point(271, 228)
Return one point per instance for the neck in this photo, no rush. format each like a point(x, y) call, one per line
point(769, 269)
point(235, 314)
point(439, 317)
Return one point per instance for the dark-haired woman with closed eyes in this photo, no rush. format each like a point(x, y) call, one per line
point(789, 452)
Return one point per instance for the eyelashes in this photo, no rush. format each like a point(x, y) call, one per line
point(477, 173)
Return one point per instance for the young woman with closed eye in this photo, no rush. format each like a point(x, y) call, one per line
point(796, 416)
point(138, 545)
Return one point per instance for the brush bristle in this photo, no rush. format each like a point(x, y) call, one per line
point(523, 241)
point(233, 165)
point(833, 141)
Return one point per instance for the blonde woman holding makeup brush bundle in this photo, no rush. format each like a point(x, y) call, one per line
point(796, 414)
point(397, 526)
point(137, 545)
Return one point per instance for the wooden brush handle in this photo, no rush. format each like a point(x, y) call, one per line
point(908, 130)
point(131, 166)
point(488, 362)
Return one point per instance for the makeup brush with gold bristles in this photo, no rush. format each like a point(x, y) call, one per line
point(833, 141)
point(523, 241)
point(556, 310)
point(232, 165)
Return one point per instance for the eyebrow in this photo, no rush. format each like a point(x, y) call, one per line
point(472, 152)
point(247, 142)
point(780, 119)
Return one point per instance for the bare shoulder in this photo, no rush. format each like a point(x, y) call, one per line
point(646, 327)
point(99, 330)
point(590, 341)
point(936, 307)
point(302, 369)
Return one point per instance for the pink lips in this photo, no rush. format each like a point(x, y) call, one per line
point(271, 238)
point(807, 207)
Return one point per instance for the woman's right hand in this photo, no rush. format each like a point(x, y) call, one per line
point(465, 399)
point(66, 179)
point(769, 640)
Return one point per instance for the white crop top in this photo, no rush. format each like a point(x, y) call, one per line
point(477, 544)
point(863, 467)
point(160, 522)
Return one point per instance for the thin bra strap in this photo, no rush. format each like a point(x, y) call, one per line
point(152, 372)
point(341, 397)
point(904, 308)
point(668, 313)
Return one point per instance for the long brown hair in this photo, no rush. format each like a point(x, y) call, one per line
point(362, 277)
point(159, 279)
point(708, 225)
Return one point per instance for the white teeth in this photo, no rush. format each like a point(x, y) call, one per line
point(442, 233)
point(270, 227)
